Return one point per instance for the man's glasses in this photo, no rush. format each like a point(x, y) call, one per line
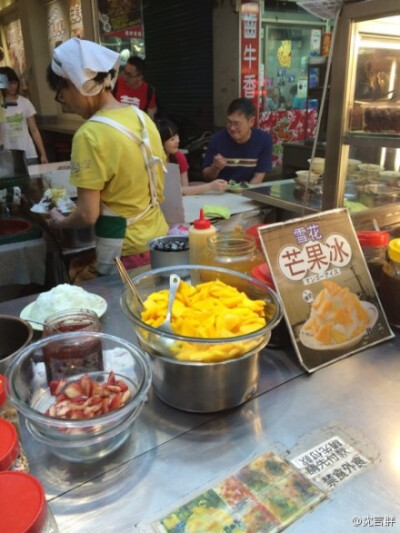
point(130, 75)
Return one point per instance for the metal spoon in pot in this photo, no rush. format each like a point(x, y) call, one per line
point(174, 281)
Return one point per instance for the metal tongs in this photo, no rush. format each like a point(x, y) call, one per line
point(127, 280)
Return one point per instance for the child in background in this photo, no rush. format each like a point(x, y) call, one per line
point(20, 125)
point(170, 139)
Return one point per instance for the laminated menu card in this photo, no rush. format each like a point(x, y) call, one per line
point(328, 297)
point(265, 496)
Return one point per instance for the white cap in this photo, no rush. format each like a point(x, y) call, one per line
point(80, 61)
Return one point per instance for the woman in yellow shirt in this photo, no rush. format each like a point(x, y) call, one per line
point(116, 157)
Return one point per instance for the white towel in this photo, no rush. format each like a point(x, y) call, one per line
point(80, 61)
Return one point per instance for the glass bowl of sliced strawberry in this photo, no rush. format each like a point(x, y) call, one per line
point(80, 416)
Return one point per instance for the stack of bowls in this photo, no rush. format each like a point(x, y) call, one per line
point(78, 439)
point(195, 385)
point(370, 171)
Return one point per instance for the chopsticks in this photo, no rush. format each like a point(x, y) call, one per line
point(125, 277)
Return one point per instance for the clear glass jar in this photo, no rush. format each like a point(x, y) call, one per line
point(389, 289)
point(374, 246)
point(233, 250)
point(67, 359)
point(23, 505)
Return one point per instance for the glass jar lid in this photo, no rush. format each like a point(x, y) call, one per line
point(373, 238)
point(22, 504)
point(9, 445)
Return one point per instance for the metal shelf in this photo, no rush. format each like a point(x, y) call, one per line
point(371, 140)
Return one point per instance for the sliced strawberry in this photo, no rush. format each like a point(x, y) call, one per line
point(73, 390)
point(125, 397)
point(57, 385)
point(87, 398)
point(111, 378)
point(122, 385)
point(112, 388)
point(86, 385)
point(116, 401)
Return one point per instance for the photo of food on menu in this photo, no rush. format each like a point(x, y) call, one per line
point(329, 299)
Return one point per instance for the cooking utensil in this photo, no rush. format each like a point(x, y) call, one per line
point(126, 279)
point(174, 281)
point(154, 340)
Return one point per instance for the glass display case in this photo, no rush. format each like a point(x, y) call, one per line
point(362, 163)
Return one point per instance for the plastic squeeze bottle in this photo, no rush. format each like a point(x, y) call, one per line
point(199, 232)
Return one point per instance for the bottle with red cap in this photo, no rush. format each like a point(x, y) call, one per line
point(199, 233)
point(23, 505)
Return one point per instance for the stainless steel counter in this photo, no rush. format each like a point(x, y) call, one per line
point(172, 453)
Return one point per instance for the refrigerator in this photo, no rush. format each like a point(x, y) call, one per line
point(362, 159)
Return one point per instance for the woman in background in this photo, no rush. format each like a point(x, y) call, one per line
point(20, 126)
point(170, 139)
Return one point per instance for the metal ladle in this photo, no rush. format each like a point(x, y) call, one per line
point(174, 281)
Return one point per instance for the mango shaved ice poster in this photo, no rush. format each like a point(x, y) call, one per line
point(328, 297)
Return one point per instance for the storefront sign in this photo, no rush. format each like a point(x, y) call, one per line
point(57, 23)
point(64, 20)
point(75, 19)
point(327, 293)
point(16, 50)
point(121, 19)
point(250, 52)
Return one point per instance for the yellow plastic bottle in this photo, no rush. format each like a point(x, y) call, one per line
point(199, 232)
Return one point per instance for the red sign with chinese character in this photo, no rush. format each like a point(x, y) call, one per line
point(329, 299)
point(250, 52)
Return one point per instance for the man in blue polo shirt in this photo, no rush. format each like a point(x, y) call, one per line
point(239, 152)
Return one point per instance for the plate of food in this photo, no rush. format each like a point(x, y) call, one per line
point(338, 319)
point(61, 298)
point(54, 198)
point(238, 186)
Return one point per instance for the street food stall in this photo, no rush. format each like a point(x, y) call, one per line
point(311, 448)
point(356, 397)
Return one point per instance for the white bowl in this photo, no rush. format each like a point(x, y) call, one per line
point(389, 175)
point(353, 164)
point(317, 164)
point(305, 175)
point(370, 168)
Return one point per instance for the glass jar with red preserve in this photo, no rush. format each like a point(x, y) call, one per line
point(63, 359)
point(374, 245)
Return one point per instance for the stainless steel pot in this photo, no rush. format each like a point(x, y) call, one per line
point(166, 257)
point(206, 387)
point(15, 334)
